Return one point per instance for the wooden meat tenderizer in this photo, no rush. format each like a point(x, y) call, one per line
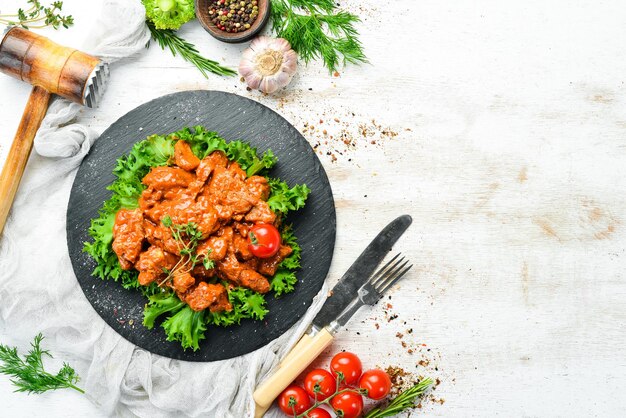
point(51, 69)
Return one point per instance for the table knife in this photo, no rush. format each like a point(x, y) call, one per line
point(318, 336)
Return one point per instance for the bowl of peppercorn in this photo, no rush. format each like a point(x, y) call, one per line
point(233, 21)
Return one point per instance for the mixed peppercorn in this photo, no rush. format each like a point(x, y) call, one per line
point(233, 15)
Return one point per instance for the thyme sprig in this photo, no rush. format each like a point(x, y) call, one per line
point(316, 29)
point(29, 374)
point(187, 236)
point(38, 16)
point(167, 38)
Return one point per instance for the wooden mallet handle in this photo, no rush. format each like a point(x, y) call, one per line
point(20, 150)
point(52, 69)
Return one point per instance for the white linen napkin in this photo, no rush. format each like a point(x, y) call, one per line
point(39, 291)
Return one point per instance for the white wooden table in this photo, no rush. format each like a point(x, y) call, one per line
point(510, 155)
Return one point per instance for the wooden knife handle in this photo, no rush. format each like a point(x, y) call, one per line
point(20, 149)
point(295, 362)
point(306, 338)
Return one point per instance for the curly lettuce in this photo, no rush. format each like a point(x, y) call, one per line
point(180, 323)
point(169, 14)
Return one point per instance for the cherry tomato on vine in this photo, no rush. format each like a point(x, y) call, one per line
point(349, 365)
point(321, 380)
point(264, 240)
point(319, 413)
point(376, 382)
point(294, 399)
point(348, 404)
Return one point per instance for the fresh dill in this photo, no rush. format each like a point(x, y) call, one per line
point(167, 38)
point(29, 374)
point(38, 16)
point(316, 29)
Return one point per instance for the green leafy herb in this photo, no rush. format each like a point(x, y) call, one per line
point(39, 16)
point(187, 237)
point(403, 401)
point(167, 38)
point(317, 30)
point(29, 374)
point(169, 14)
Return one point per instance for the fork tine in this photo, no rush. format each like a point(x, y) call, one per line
point(376, 275)
point(395, 280)
point(391, 275)
point(380, 274)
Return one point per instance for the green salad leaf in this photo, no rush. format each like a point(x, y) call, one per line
point(181, 323)
point(285, 278)
point(284, 199)
point(186, 326)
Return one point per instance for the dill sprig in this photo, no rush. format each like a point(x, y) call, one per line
point(403, 401)
point(167, 38)
point(317, 30)
point(29, 374)
point(38, 16)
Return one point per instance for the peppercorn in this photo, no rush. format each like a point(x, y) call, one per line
point(233, 15)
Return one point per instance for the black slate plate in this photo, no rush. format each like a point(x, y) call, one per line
point(234, 117)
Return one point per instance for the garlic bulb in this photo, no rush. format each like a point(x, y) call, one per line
point(268, 64)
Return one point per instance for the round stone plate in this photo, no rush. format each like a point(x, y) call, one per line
point(233, 117)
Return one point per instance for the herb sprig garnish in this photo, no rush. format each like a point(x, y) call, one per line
point(187, 236)
point(38, 16)
point(167, 38)
point(29, 374)
point(316, 29)
point(403, 401)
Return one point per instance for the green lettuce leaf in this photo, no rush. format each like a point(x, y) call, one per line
point(284, 199)
point(186, 326)
point(247, 304)
point(158, 305)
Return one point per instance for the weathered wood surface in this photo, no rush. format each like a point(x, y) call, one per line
point(511, 124)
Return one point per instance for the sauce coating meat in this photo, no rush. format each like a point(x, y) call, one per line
point(216, 196)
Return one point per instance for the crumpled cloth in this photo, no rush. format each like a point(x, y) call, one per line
point(39, 291)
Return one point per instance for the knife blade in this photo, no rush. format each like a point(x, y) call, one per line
point(346, 289)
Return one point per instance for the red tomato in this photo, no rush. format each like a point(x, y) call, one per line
point(349, 365)
point(264, 240)
point(321, 380)
point(319, 413)
point(376, 382)
point(294, 400)
point(348, 404)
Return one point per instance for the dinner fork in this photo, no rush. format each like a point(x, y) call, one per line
point(373, 289)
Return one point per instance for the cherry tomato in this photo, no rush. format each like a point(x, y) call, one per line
point(348, 404)
point(319, 413)
point(376, 382)
point(321, 380)
point(349, 365)
point(294, 399)
point(264, 240)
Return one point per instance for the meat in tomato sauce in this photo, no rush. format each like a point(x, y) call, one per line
point(216, 195)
